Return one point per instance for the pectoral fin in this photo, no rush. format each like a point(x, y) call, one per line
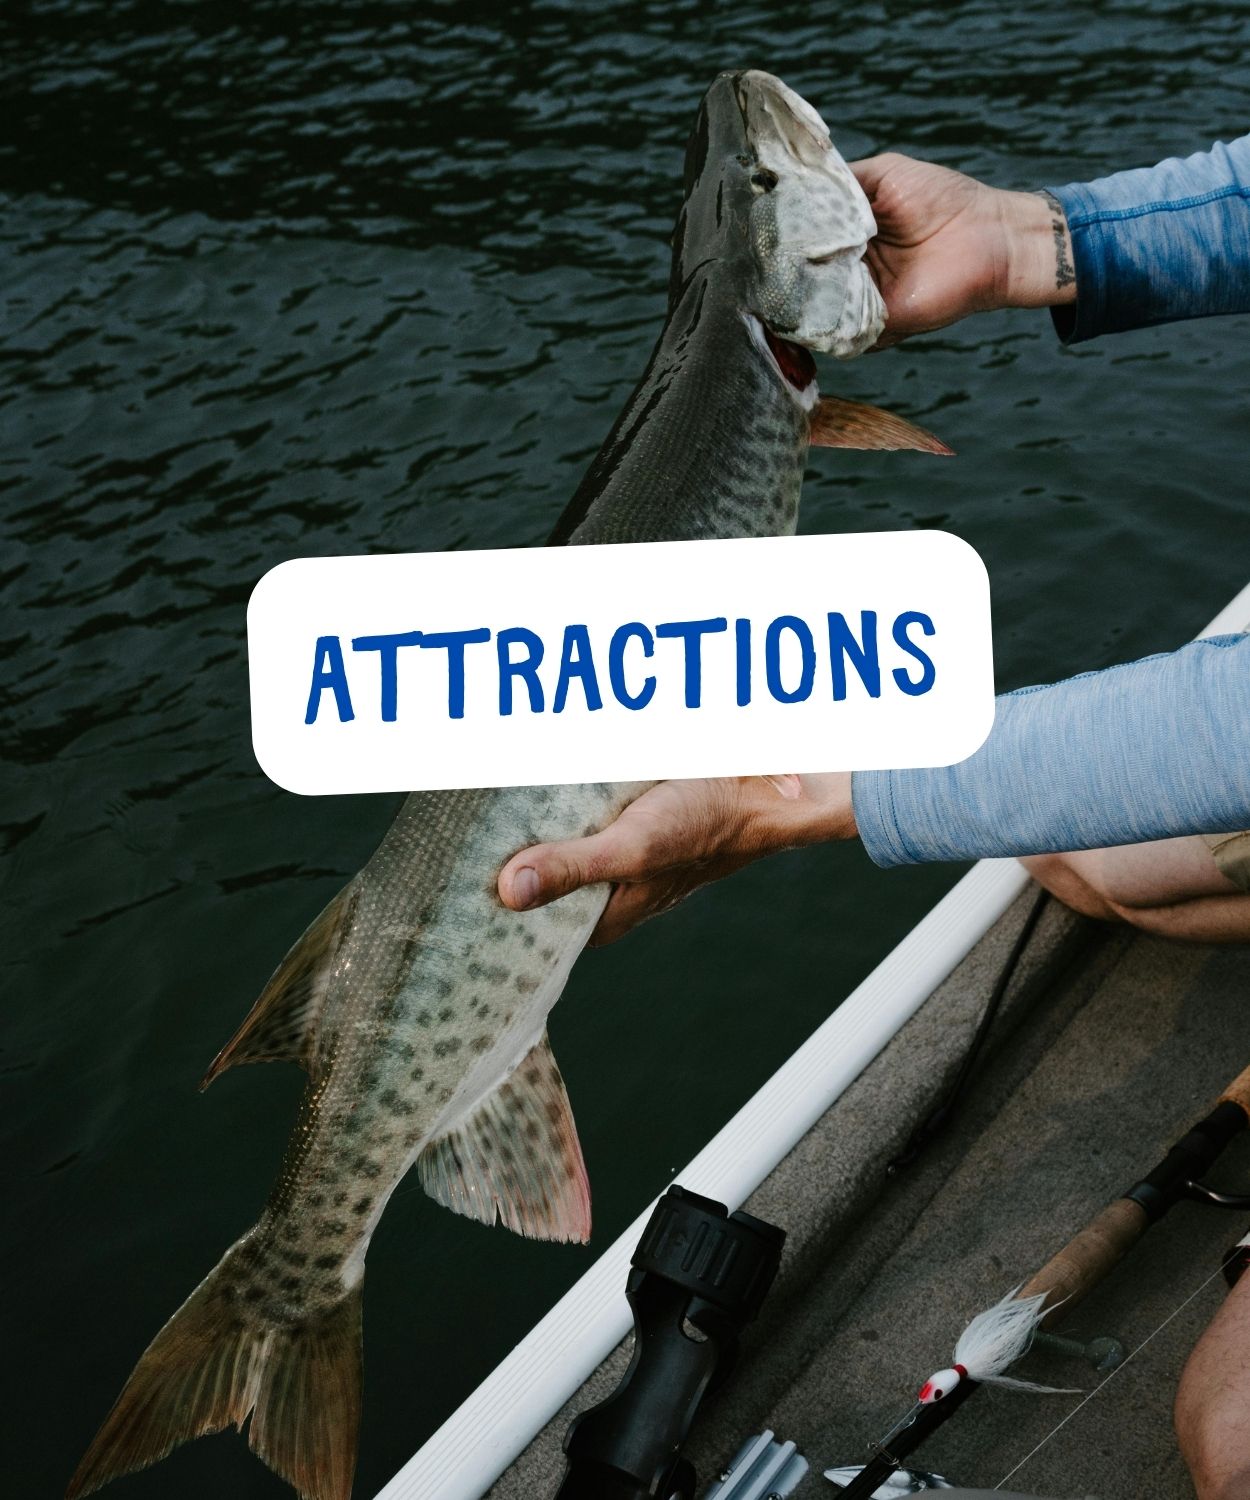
point(282, 1025)
point(851, 424)
point(516, 1157)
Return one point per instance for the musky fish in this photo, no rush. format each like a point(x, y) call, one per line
point(416, 1002)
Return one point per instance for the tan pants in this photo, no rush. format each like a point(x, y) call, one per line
point(1232, 855)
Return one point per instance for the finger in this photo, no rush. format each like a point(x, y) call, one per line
point(546, 872)
point(868, 171)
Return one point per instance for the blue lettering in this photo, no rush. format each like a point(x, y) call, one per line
point(576, 661)
point(842, 643)
point(329, 672)
point(454, 642)
point(928, 673)
point(526, 669)
point(692, 633)
point(616, 665)
point(772, 659)
point(742, 638)
point(387, 647)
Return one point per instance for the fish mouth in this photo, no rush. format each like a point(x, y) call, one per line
point(792, 362)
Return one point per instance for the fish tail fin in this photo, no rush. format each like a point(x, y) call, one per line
point(222, 1356)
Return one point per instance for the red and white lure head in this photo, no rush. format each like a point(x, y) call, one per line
point(940, 1384)
point(993, 1341)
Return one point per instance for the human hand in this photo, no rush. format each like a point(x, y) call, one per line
point(947, 245)
point(678, 836)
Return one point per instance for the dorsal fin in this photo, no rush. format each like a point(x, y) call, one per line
point(282, 1025)
point(851, 424)
point(516, 1156)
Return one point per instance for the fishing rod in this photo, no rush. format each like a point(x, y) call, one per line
point(1000, 1335)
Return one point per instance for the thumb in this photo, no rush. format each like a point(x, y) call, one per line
point(545, 872)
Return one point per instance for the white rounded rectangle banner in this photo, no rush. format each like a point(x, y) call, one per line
point(630, 662)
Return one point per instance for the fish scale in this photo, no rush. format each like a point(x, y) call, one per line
point(416, 1002)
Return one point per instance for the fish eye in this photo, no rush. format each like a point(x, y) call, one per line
point(763, 180)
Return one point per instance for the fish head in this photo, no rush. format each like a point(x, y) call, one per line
point(769, 199)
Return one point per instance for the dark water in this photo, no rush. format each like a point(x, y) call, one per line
point(298, 278)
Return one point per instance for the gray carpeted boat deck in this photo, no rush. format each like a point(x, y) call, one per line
point(1109, 1046)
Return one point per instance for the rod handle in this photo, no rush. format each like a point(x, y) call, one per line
point(1087, 1257)
point(1238, 1092)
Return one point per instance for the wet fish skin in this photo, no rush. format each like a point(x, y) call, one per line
point(416, 1002)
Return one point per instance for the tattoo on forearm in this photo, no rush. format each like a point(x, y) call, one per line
point(1065, 272)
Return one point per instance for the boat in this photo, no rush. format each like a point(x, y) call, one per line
point(1107, 1045)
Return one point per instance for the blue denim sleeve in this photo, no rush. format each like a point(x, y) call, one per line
point(1148, 750)
point(1159, 243)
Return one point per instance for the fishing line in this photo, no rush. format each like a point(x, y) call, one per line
point(1102, 1384)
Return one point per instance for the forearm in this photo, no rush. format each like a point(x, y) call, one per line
point(1152, 749)
point(1159, 243)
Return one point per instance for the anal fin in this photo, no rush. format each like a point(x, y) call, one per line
point(516, 1157)
point(851, 424)
point(282, 1025)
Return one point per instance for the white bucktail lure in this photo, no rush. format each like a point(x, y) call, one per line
point(992, 1343)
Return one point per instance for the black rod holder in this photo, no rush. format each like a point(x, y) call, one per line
point(699, 1276)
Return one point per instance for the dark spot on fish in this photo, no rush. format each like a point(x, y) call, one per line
point(446, 1014)
point(549, 954)
point(531, 1075)
point(293, 1257)
point(475, 971)
point(526, 984)
point(315, 1200)
point(340, 1199)
point(444, 1095)
point(290, 1284)
point(417, 1074)
point(326, 1262)
point(554, 1112)
point(528, 939)
point(331, 1229)
point(362, 1205)
point(424, 1018)
point(443, 988)
point(532, 1131)
point(366, 1168)
point(447, 1046)
point(426, 915)
point(254, 1293)
point(395, 1103)
point(481, 1043)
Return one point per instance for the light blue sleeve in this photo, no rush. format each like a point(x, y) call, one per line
point(1148, 750)
point(1159, 243)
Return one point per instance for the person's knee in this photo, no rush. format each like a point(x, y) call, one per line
point(1212, 1419)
